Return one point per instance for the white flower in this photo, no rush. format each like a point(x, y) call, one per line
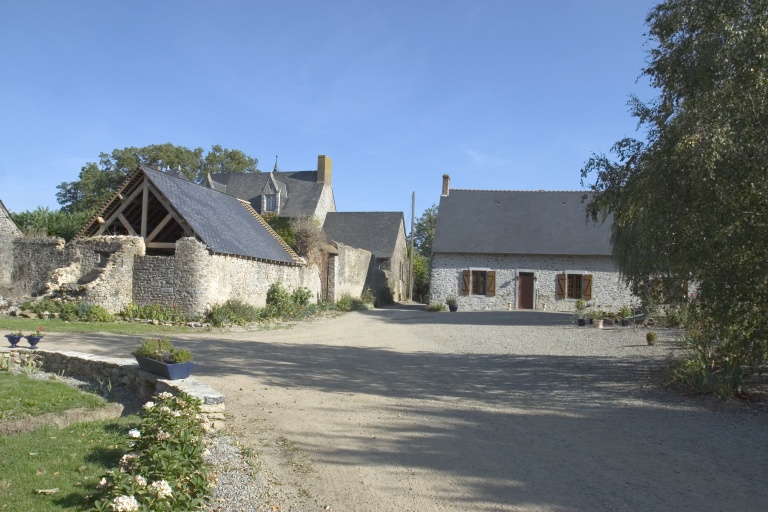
point(206, 452)
point(149, 406)
point(141, 480)
point(175, 414)
point(134, 433)
point(163, 436)
point(102, 483)
point(164, 395)
point(165, 409)
point(161, 488)
point(125, 504)
point(127, 459)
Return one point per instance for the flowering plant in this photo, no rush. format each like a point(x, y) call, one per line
point(38, 333)
point(165, 469)
point(16, 333)
point(162, 349)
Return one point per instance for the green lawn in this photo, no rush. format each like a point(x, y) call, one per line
point(27, 325)
point(70, 459)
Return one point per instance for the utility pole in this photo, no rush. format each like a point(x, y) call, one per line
point(413, 208)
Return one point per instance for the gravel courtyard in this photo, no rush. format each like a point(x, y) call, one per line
point(403, 410)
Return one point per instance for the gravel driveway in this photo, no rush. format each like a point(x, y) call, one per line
point(403, 410)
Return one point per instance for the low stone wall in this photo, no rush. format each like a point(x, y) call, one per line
point(119, 373)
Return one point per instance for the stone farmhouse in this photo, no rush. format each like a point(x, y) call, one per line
point(383, 235)
point(504, 249)
point(163, 239)
point(286, 194)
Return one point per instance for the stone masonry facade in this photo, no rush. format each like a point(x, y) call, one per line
point(608, 291)
point(8, 233)
point(348, 271)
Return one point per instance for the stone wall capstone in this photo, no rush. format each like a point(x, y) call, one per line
point(608, 290)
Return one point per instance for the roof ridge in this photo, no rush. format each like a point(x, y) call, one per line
point(271, 231)
point(511, 190)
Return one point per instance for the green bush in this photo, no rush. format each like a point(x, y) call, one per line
point(367, 296)
point(154, 311)
point(162, 349)
point(233, 312)
point(301, 296)
point(99, 314)
point(651, 338)
point(165, 470)
point(436, 307)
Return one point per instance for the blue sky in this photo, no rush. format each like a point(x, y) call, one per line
point(501, 95)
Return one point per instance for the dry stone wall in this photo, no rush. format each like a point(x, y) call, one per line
point(8, 233)
point(34, 259)
point(608, 290)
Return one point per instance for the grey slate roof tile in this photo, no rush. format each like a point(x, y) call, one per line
point(219, 220)
point(518, 222)
point(299, 189)
point(373, 231)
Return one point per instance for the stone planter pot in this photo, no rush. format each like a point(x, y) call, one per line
point(33, 340)
point(170, 371)
point(582, 322)
point(598, 323)
point(453, 309)
point(13, 339)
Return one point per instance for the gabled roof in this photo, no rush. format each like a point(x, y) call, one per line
point(222, 222)
point(376, 232)
point(300, 191)
point(518, 222)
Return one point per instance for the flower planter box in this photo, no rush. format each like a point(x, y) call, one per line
point(170, 371)
point(13, 339)
point(33, 340)
point(453, 309)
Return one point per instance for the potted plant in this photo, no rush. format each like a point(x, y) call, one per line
point(597, 318)
point(624, 314)
point(581, 308)
point(35, 337)
point(453, 304)
point(159, 356)
point(14, 337)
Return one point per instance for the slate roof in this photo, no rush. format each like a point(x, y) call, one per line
point(300, 192)
point(373, 231)
point(518, 222)
point(221, 221)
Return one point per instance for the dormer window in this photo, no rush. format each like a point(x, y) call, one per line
point(270, 202)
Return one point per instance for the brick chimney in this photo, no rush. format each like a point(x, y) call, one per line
point(446, 184)
point(324, 170)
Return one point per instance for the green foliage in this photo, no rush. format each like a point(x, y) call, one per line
point(625, 312)
point(44, 222)
point(154, 311)
point(162, 349)
point(436, 307)
point(424, 231)
point(367, 296)
point(708, 369)
point(348, 303)
point(98, 314)
point(451, 300)
point(420, 278)
point(301, 296)
point(165, 470)
point(233, 312)
point(97, 182)
point(70, 310)
point(282, 227)
point(688, 203)
point(651, 337)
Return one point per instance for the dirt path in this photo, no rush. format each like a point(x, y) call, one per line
point(404, 410)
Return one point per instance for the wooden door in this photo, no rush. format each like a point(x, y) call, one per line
point(525, 290)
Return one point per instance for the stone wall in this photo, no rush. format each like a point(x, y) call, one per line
point(8, 233)
point(325, 204)
point(398, 278)
point(348, 271)
point(121, 373)
point(194, 279)
point(608, 291)
point(34, 259)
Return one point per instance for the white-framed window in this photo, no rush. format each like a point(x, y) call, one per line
point(573, 285)
point(478, 282)
point(270, 202)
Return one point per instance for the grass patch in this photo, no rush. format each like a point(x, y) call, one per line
point(9, 324)
point(22, 396)
point(70, 459)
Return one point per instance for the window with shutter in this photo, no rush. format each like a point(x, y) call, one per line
point(574, 286)
point(491, 292)
point(560, 287)
point(587, 295)
point(465, 279)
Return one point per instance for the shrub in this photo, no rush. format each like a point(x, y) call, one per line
point(367, 296)
point(165, 470)
point(99, 314)
point(154, 311)
point(162, 349)
point(651, 338)
point(235, 312)
point(301, 296)
point(436, 307)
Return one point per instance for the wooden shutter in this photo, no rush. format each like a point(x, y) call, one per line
point(465, 277)
point(587, 286)
point(560, 287)
point(491, 290)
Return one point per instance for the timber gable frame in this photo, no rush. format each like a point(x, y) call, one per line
point(162, 208)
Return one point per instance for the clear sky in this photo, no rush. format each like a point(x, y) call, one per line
point(499, 94)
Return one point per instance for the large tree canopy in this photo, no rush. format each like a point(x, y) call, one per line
point(690, 201)
point(98, 180)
